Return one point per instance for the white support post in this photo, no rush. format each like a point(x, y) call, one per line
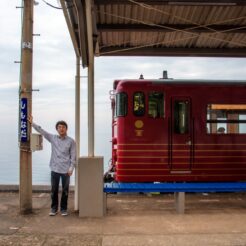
point(90, 80)
point(90, 169)
point(91, 129)
point(77, 129)
point(77, 98)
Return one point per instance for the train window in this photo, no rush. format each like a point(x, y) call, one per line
point(181, 117)
point(156, 105)
point(226, 118)
point(121, 104)
point(138, 104)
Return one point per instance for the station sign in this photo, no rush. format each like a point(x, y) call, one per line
point(23, 120)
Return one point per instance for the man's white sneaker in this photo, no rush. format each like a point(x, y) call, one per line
point(52, 212)
point(64, 213)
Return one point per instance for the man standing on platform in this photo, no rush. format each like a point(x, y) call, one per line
point(62, 161)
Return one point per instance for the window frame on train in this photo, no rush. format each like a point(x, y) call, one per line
point(140, 111)
point(224, 119)
point(121, 104)
point(159, 110)
point(180, 128)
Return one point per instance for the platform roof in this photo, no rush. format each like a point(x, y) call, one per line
point(210, 28)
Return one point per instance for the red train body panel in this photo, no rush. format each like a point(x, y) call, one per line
point(176, 130)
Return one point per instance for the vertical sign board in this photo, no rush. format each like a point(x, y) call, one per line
point(23, 120)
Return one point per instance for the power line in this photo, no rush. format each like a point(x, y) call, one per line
point(55, 7)
point(49, 4)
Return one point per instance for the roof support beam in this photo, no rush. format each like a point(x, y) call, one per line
point(80, 8)
point(70, 29)
point(201, 52)
point(170, 28)
point(175, 2)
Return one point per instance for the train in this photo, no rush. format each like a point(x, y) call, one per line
point(174, 130)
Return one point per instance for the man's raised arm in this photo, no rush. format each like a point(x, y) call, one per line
point(38, 128)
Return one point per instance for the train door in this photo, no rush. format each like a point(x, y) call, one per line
point(181, 131)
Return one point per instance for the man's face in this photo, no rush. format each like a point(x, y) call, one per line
point(62, 130)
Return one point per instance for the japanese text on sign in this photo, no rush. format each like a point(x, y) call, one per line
point(23, 120)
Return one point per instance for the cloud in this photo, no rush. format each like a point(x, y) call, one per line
point(9, 85)
point(179, 68)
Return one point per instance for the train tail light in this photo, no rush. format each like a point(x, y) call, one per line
point(114, 155)
point(114, 141)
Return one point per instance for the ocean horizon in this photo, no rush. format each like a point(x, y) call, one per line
point(9, 160)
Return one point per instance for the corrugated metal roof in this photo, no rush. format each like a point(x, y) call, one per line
point(168, 28)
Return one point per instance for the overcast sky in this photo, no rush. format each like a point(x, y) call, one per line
point(54, 68)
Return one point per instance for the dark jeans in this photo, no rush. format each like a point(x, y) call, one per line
point(55, 180)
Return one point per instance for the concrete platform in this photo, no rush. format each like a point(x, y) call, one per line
point(132, 220)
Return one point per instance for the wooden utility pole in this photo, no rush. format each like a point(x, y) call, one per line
point(25, 188)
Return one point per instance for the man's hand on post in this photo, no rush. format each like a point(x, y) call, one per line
point(30, 119)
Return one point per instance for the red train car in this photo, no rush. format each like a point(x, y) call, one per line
point(178, 130)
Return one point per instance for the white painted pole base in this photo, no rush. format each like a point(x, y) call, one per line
point(179, 202)
point(92, 200)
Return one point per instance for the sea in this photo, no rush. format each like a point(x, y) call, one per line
point(9, 157)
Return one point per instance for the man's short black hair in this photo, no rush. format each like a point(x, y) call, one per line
point(61, 122)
